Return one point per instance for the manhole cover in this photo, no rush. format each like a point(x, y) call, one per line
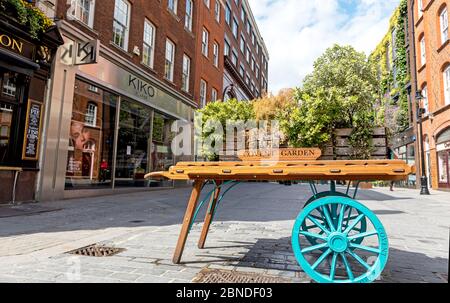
point(228, 276)
point(96, 251)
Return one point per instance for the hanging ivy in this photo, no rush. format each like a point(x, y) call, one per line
point(393, 94)
point(27, 15)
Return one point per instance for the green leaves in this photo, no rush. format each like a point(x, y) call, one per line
point(339, 93)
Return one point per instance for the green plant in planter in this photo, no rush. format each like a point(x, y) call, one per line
point(27, 15)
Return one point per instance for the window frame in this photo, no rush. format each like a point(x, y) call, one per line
point(205, 44)
point(186, 75)
point(91, 13)
point(443, 16)
point(188, 21)
point(172, 61)
point(146, 44)
point(126, 27)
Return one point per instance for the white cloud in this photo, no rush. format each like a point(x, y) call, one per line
point(297, 32)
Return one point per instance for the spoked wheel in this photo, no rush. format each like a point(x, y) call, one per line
point(338, 256)
point(349, 215)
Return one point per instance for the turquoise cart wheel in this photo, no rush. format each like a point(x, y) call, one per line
point(337, 257)
point(350, 214)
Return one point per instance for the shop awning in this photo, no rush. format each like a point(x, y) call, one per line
point(16, 63)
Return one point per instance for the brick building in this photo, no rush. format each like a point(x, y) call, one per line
point(127, 71)
point(246, 55)
point(430, 75)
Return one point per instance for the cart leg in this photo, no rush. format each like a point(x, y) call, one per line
point(209, 216)
point(187, 221)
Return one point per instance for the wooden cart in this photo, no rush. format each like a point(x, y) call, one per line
point(333, 226)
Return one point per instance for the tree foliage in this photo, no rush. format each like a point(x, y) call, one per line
point(339, 93)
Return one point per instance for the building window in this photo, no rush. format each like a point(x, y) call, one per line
point(235, 28)
point(234, 57)
point(189, 15)
point(214, 95)
point(203, 88)
point(83, 10)
point(228, 13)
point(242, 71)
point(423, 53)
point(447, 85)
point(226, 48)
point(249, 27)
point(425, 103)
point(173, 6)
point(186, 73)
point(170, 58)
point(149, 44)
point(121, 23)
point(242, 44)
point(444, 25)
point(243, 15)
point(216, 54)
point(217, 11)
point(206, 3)
point(91, 115)
point(248, 55)
point(420, 8)
point(205, 42)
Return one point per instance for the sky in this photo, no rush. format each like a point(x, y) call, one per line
point(297, 32)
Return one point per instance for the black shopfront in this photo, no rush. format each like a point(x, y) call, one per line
point(25, 67)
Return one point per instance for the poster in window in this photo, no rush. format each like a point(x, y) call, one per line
point(32, 136)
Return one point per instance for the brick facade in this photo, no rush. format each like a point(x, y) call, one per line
point(429, 74)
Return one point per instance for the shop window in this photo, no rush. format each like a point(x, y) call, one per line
point(9, 88)
point(91, 144)
point(161, 152)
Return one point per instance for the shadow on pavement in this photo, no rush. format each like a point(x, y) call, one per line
point(403, 266)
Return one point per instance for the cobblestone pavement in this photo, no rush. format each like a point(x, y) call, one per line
point(251, 234)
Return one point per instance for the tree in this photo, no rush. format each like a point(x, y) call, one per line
point(216, 115)
point(339, 93)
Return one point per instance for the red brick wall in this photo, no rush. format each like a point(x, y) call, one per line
point(167, 25)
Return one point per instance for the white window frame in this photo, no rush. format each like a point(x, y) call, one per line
point(149, 44)
point(446, 76)
point(205, 42)
point(423, 51)
point(186, 73)
point(207, 3)
point(90, 118)
point(214, 95)
point(425, 102)
point(420, 8)
point(203, 91)
point(172, 5)
point(189, 15)
point(77, 11)
point(126, 27)
point(444, 25)
point(228, 15)
point(216, 50)
point(217, 11)
point(169, 60)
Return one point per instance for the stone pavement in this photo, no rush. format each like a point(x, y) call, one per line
point(251, 234)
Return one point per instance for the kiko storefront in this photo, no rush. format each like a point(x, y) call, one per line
point(110, 125)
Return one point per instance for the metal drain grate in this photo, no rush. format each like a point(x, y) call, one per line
point(96, 251)
point(228, 276)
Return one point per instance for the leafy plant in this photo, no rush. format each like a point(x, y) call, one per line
point(27, 15)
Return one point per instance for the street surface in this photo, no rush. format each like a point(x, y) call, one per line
point(251, 234)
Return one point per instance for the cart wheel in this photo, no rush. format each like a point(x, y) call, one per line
point(350, 214)
point(347, 260)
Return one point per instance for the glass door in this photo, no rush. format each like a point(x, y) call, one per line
point(134, 145)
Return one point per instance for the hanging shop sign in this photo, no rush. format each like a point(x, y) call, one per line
point(80, 52)
point(32, 136)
